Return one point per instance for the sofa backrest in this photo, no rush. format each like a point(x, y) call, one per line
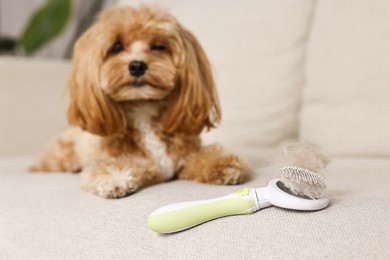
point(256, 48)
point(32, 104)
point(346, 99)
point(313, 70)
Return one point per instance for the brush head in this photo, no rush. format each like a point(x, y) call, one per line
point(302, 177)
point(279, 195)
point(302, 182)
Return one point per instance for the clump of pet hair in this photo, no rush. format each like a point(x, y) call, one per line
point(307, 157)
point(302, 155)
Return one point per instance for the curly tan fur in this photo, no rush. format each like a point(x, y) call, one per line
point(130, 131)
point(212, 164)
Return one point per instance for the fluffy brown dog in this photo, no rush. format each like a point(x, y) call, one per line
point(141, 93)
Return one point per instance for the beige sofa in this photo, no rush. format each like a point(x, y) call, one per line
point(317, 71)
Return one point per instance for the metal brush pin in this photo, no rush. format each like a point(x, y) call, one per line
point(302, 182)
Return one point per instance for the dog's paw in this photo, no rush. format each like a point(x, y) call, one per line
point(229, 170)
point(230, 176)
point(109, 181)
point(117, 185)
point(212, 164)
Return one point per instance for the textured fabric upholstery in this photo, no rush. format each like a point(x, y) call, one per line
point(47, 216)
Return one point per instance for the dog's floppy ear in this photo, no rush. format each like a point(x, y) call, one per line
point(90, 108)
point(194, 103)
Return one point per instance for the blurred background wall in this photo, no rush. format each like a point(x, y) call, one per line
point(15, 15)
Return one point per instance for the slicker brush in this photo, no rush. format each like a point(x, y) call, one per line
point(300, 187)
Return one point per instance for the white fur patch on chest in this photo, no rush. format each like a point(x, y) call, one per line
point(153, 144)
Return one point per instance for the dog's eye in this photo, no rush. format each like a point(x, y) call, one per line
point(117, 47)
point(157, 47)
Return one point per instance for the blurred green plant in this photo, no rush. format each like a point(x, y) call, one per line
point(45, 24)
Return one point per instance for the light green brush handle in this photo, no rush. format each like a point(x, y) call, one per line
point(181, 216)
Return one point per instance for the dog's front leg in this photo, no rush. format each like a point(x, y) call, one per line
point(213, 164)
point(118, 177)
point(60, 155)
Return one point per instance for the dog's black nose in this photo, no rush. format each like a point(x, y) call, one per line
point(137, 68)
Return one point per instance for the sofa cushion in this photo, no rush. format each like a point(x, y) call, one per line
point(346, 108)
point(32, 103)
point(256, 48)
point(48, 216)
